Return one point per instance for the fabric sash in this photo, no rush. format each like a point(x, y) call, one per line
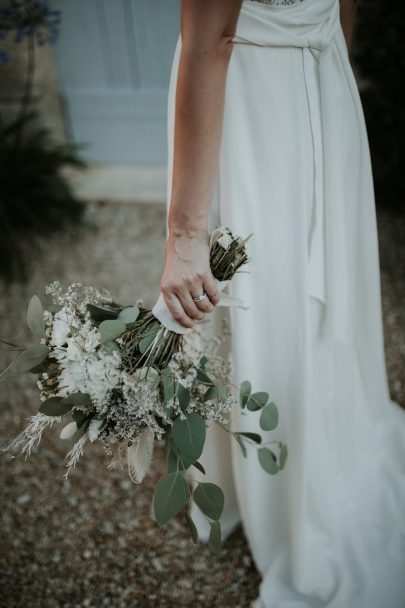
point(312, 25)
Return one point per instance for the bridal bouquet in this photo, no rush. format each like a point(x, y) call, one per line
point(117, 374)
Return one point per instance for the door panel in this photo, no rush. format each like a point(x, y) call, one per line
point(113, 60)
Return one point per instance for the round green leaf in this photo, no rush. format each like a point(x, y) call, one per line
point(35, 317)
point(269, 417)
point(99, 314)
point(283, 455)
point(33, 356)
point(267, 461)
point(111, 329)
point(242, 445)
point(199, 466)
point(244, 392)
point(257, 400)
point(82, 429)
point(210, 499)
point(80, 418)
point(253, 436)
point(5, 371)
point(214, 539)
point(167, 384)
point(147, 340)
point(189, 436)
point(183, 395)
point(202, 376)
point(214, 392)
point(170, 496)
point(76, 399)
point(180, 461)
point(55, 406)
point(129, 315)
point(192, 528)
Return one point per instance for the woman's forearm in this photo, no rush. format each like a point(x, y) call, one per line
point(348, 11)
point(199, 108)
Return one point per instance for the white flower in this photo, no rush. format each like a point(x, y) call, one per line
point(225, 240)
point(94, 428)
point(91, 341)
point(73, 352)
point(72, 379)
point(61, 328)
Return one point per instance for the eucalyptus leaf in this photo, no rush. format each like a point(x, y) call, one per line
point(42, 367)
point(209, 498)
point(182, 462)
point(167, 382)
point(203, 361)
point(214, 539)
point(192, 528)
point(111, 346)
point(171, 460)
point(78, 398)
point(283, 456)
point(257, 400)
point(203, 377)
point(170, 496)
point(111, 329)
point(199, 466)
point(35, 317)
point(55, 406)
point(82, 429)
point(245, 390)
point(99, 314)
point(80, 418)
point(269, 417)
point(183, 395)
point(129, 315)
point(214, 392)
point(241, 444)
point(53, 308)
point(5, 371)
point(145, 342)
point(189, 436)
point(267, 461)
point(253, 436)
point(31, 357)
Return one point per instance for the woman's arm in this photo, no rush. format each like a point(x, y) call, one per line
point(207, 28)
point(348, 11)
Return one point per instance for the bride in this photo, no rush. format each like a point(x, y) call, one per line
point(266, 134)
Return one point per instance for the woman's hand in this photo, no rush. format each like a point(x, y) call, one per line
point(187, 274)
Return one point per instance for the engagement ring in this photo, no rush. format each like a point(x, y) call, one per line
point(200, 297)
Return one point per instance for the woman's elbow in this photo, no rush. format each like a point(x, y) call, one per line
point(217, 48)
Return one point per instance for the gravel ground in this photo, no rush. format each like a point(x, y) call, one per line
point(89, 541)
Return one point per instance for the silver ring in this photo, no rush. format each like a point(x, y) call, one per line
point(200, 297)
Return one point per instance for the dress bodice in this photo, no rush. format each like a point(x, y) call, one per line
point(278, 2)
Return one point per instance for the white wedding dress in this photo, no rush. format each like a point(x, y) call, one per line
point(328, 530)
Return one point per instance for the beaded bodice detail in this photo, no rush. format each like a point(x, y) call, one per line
point(279, 2)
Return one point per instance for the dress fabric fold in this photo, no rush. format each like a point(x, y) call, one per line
point(294, 169)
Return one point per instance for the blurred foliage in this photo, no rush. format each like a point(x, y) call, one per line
point(35, 198)
point(380, 61)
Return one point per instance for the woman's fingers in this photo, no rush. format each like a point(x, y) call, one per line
point(179, 300)
point(212, 290)
point(189, 305)
point(176, 309)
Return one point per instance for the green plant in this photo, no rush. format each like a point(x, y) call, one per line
point(35, 198)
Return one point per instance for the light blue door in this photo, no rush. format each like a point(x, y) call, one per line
point(113, 60)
